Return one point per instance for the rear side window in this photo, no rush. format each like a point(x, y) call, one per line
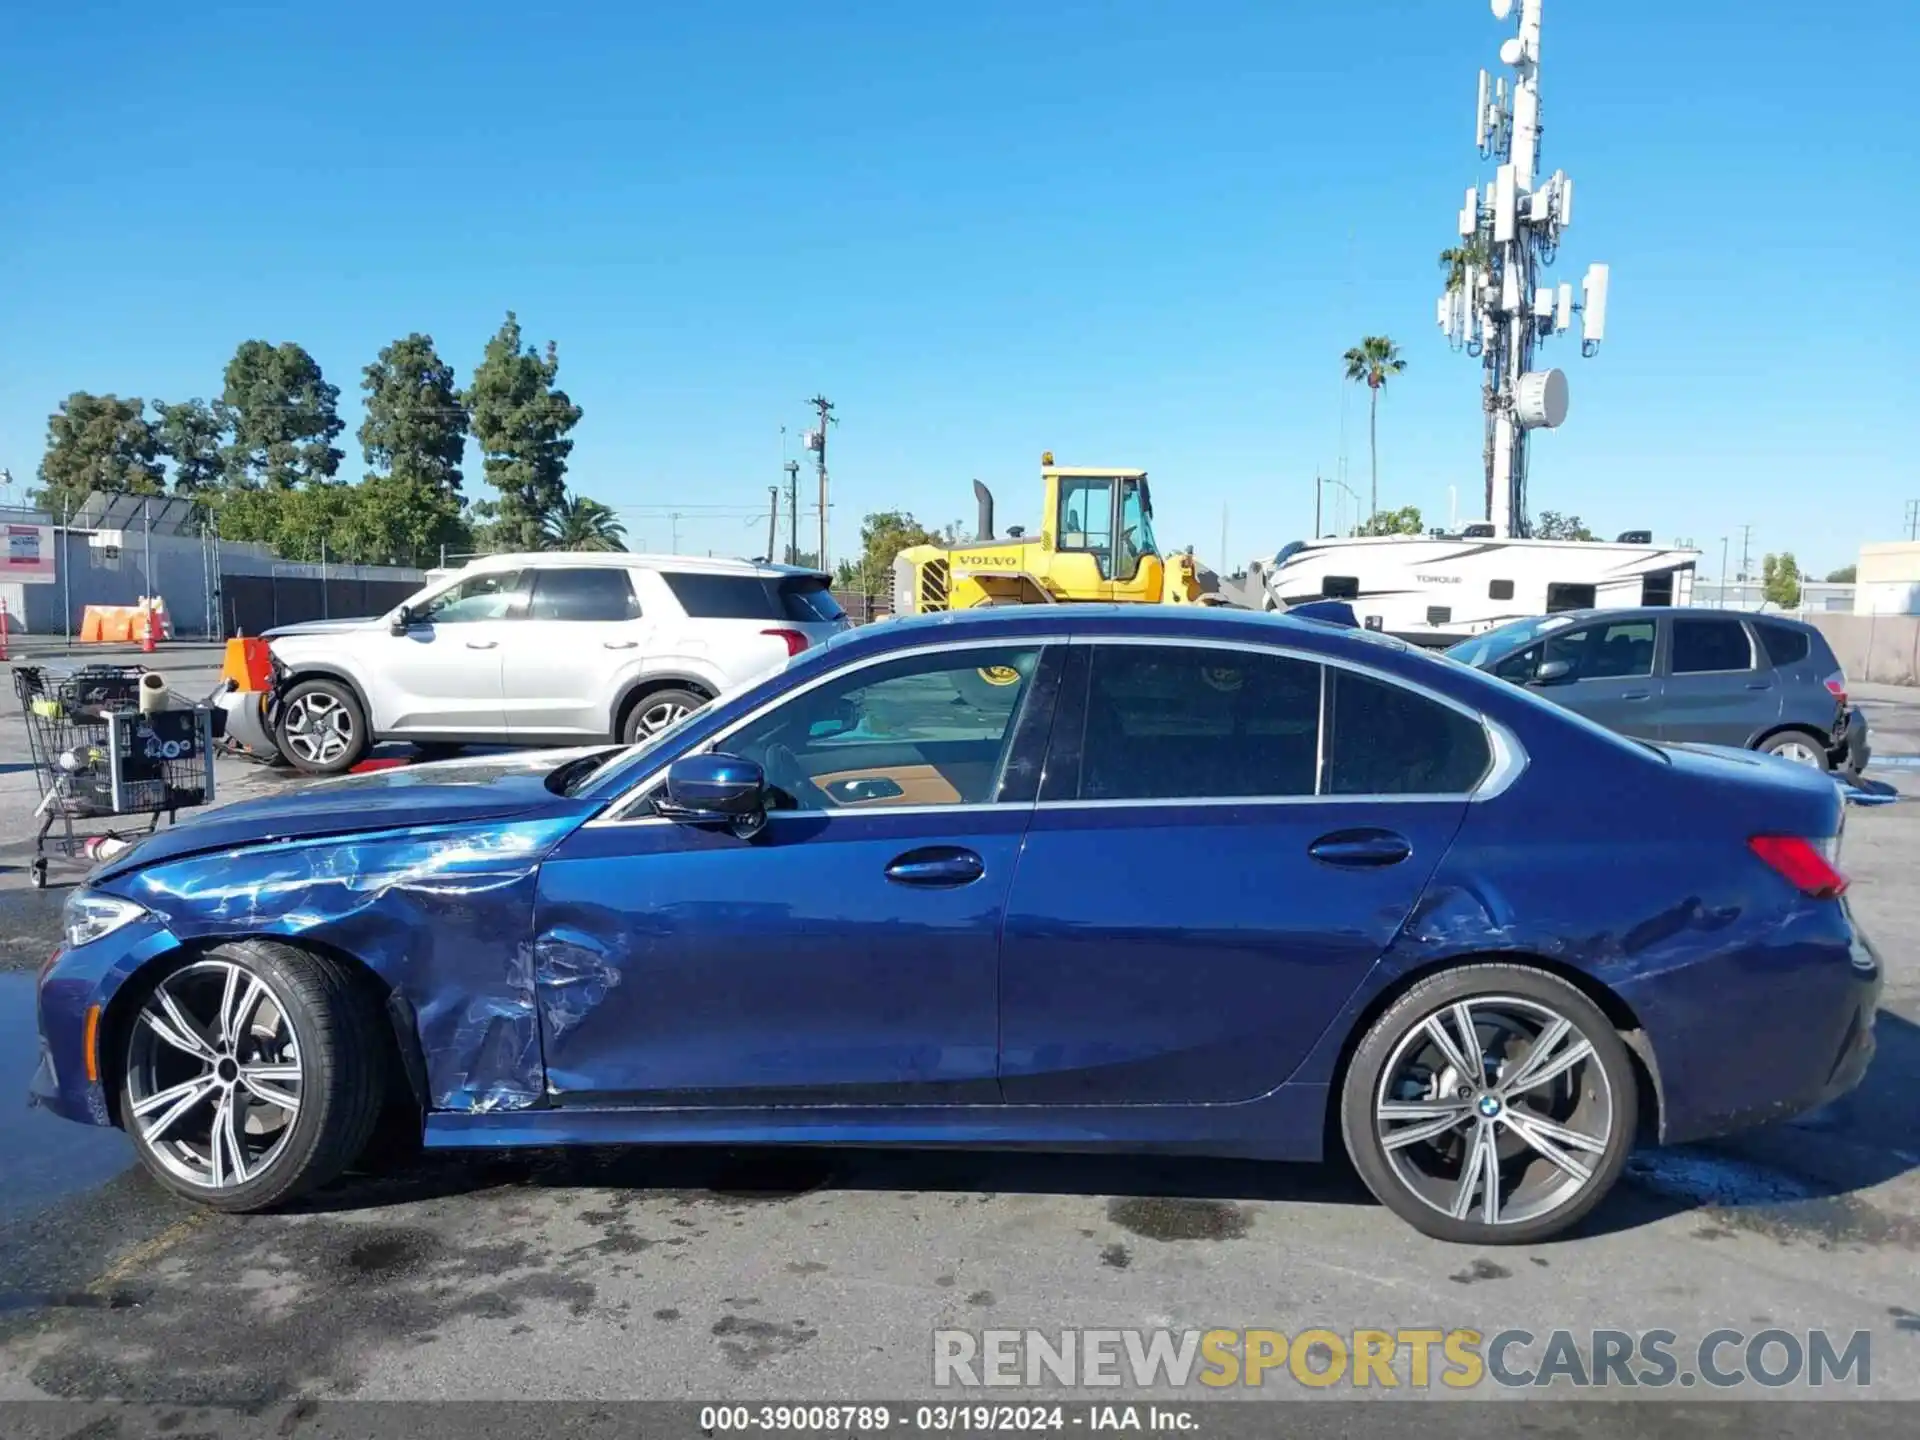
point(1385, 740)
point(1702, 646)
point(800, 600)
point(1167, 722)
point(583, 594)
point(1340, 587)
point(1785, 645)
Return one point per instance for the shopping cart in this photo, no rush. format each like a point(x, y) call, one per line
point(98, 754)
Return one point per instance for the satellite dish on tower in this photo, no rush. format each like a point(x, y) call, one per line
point(1502, 9)
point(1540, 399)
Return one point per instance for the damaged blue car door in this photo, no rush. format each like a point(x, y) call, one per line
point(816, 919)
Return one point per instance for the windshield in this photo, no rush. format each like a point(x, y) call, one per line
point(1136, 520)
point(1482, 648)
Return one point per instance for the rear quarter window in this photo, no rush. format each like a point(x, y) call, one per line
point(796, 600)
point(1383, 739)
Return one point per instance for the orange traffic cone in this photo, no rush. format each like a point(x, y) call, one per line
point(147, 647)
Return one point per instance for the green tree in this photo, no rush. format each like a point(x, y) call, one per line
point(1373, 362)
point(1404, 521)
point(283, 416)
point(883, 535)
point(415, 434)
point(1552, 525)
point(521, 419)
point(1845, 575)
point(581, 523)
point(191, 435)
point(1456, 259)
point(97, 442)
point(1780, 580)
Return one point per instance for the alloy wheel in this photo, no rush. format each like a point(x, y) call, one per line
point(1495, 1109)
point(655, 718)
point(1801, 753)
point(319, 729)
point(214, 1076)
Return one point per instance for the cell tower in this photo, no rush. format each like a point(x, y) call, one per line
point(1496, 307)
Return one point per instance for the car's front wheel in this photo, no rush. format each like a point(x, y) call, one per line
point(1490, 1105)
point(321, 728)
point(252, 1074)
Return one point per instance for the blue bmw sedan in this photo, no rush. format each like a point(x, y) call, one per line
point(1082, 878)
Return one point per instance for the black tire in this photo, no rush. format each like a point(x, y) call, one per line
point(302, 747)
point(1604, 1082)
point(638, 724)
point(37, 875)
point(345, 1062)
point(1803, 747)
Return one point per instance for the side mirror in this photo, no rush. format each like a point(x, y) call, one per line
point(402, 621)
point(1552, 672)
point(715, 790)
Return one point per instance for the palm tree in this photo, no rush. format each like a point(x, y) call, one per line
point(1456, 259)
point(1374, 360)
point(578, 523)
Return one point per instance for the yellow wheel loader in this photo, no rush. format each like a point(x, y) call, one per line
point(1095, 544)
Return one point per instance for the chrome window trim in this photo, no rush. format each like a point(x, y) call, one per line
point(1509, 757)
point(642, 788)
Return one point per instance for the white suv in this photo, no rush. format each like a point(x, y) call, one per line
point(543, 649)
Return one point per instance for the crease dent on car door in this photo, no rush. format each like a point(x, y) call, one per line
point(848, 953)
point(1202, 888)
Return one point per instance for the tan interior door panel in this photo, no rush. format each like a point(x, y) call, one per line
point(876, 786)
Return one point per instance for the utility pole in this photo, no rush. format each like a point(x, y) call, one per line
point(792, 468)
point(1318, 486)
point(816, 441)
point(673, 523)
point(1746, 534)
point(1723, 572)
point(1913, 519)
point(773, 519)
point(1494, 309)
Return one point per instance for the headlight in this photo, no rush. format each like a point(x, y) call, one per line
point(88, 916)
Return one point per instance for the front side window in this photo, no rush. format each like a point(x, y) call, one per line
point(1386, 740)
point(1086, 518)
point(1703, 646)
point(583, 594)
point(492, 596)
point(1169, 722)
point(930, 729)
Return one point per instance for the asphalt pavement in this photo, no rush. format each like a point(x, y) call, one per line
point(748, 1273)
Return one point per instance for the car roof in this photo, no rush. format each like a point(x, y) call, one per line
point(674, 564)
point(1684, 612)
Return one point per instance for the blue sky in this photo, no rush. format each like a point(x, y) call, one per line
point(1134, 233)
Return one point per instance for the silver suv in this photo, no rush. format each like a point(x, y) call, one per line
point(542, 649)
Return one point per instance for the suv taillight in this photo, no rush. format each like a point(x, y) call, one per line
point(796, 642)
point(1807, 865)
point(1837, 686)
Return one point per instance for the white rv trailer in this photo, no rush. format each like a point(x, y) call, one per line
point(1434, 590)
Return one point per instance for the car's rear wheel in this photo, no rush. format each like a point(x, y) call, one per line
point(252, 1073)
point(321, 728)
point(654, 712)
point(1490, 1105)
point(1802, 747)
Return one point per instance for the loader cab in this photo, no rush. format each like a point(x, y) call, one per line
point(1105, 515)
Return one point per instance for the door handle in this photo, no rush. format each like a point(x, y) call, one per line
point(1758, 685)
point(481, 644)
point(1361, 849)
point(619, 644)
point(1636, 695)
point(936, 866)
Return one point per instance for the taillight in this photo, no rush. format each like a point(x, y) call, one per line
point(1837, 685)
point(1803, 864)
point(796, 642)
